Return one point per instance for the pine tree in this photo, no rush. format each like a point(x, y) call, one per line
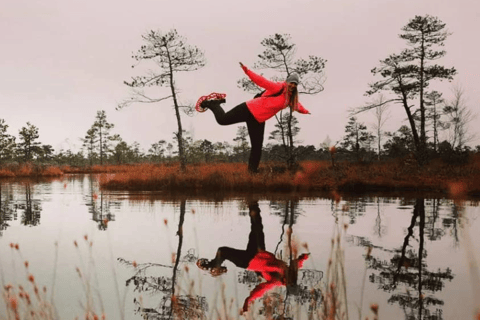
point(171, 54)
point(28, 146)
point(408, 74)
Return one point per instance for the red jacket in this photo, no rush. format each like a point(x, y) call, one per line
point(273, 270)
point(265, 107)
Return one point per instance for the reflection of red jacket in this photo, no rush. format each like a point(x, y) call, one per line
point(265, 107)
point(272, 269)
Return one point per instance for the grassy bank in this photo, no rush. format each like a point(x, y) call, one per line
point(312, 176)
point(29, 170)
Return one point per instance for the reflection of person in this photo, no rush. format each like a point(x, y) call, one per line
point(255, 112)
point(255, 258)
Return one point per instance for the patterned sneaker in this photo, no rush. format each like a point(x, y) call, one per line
point(206, 265)
point(218, 271)
point(203, 264)
point(202, 103)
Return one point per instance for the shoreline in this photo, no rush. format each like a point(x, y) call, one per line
point(311, 177)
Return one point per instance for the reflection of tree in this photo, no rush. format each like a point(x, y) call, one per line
point(431, 230)
point(407, 269)
point(307, 279)
point(379, 229)
point(31, 208)
point(353, 208)
point(99, 207)
point(289, 211)
point(184, 306)
point(452, 222)
point(171, 305)
point(8, 212)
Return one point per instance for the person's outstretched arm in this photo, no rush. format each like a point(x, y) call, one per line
point(301, 109)
point(301, 259)
point(261, 81)
point(259, 291)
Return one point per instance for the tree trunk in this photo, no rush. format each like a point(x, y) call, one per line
point(181, 151)
point(101, 147)
point(421, 208)
point(178, 254)
point(435, 132)
point(423, 136)
point(291, 161)
point(416, 139)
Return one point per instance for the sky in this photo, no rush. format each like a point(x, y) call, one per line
point(64, 60)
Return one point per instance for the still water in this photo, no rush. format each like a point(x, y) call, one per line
point(119, 253)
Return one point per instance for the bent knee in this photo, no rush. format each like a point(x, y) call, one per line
point(222, 122)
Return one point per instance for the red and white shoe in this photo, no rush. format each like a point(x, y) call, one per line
point(200, 106)
point(214, 271)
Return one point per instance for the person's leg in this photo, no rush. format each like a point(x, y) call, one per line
point(241, 258)
point(256, 132)
point(256, 239)
point(256, 242)
point(238, 114)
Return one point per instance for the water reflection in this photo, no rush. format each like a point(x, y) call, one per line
point(380, 229)
point(99, 206)
point(8, 211)
point(354, 209)
point(264, 264)
point(406, 275)
point(417, 249)
point(305, 290)
point(21, 198)
point(31, 207)
point(289, 210)
point(147, 280)
point(11, 202)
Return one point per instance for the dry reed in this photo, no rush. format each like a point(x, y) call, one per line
point(311, 176)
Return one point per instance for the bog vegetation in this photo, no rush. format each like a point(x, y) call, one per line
point(430, 151)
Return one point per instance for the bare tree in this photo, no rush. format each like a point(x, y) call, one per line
point(459, 117)
point(433, 99)
point(171, 54)
point(381, 116)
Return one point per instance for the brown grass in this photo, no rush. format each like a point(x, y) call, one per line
point(34, 170)
point(96, 169)
point(312, 176)
point(29, 170)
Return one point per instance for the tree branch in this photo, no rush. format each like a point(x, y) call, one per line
point(355, 111)
point(139, 97)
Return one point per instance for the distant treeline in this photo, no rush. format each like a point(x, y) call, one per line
point(101, 147)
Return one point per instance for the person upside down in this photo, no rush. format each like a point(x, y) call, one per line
point(277, 96)
point(255, 258)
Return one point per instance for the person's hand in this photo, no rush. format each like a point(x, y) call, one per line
point(245, 307)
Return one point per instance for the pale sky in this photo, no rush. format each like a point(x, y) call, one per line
point(63, 60)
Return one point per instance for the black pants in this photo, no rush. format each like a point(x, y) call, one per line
point(256, 129)
point(256, 242)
